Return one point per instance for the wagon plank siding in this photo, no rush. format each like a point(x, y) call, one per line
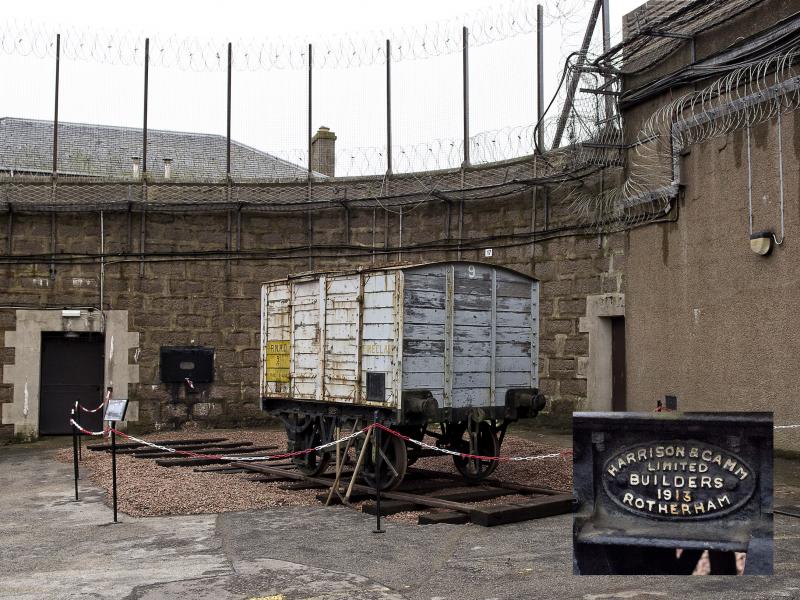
point(423, 347)
point(342, 313)
point(305, 331)
point(378, 334)
point(466, 332)
point(466, 397)
point(424, 306)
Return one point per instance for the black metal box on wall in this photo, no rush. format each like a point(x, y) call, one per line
point(179, 363)
point(648, 483)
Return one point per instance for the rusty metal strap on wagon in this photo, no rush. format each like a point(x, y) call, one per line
point(650, 483)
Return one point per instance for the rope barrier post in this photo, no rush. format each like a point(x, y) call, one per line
point(114, 467)
point(75, 452)
point(377, 442)
point(79, 433)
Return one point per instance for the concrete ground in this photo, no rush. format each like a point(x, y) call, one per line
point(53, 547)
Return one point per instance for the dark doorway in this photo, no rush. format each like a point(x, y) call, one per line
point(618, 394)
point(72, 369)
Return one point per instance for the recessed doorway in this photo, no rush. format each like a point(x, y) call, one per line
point(71, 369)
point(618, 377)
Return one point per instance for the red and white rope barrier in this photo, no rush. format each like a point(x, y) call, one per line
point(325, 446)
point(471, 456)
point(83, 430)
point(343, 440)
point(97, 408)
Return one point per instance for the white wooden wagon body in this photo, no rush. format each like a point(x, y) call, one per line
point(448, 342)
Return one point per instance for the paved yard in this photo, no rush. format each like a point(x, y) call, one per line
point(52, 547)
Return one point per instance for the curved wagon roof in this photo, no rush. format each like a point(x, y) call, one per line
point(397, 267)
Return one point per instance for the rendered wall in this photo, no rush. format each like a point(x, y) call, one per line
point(707, 319)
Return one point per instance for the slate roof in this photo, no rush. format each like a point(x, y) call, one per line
point(26, 146)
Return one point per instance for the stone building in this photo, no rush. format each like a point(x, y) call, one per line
point(103, 151)
point(676, 306)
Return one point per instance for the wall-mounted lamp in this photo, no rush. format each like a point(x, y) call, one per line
point(71, 313)
point(761, 242)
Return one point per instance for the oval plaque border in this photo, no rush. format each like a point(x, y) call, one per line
point(720, 513)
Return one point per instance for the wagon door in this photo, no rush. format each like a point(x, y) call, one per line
point(342, 314)
point(276, 336)
point(517, 333)
point(424, 330)
point(380, 322)
point(473, 335)
point(305, 341)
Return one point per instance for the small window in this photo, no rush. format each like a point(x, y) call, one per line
point(376, 387)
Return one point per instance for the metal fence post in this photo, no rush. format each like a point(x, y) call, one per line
point(144, 105)
point(539, 141)
point(572, 85)
point(229, 240)
point(606, 48)
point(465, 92)
point(310, 144)
point(540, 78)
point(310, 101)
point(54, 184)
point(388, 108)
point(55, 109)
point(228, 117)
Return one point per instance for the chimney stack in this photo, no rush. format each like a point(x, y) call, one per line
point(323, 152)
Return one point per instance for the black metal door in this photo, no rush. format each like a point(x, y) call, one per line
point(72, 369)
point(618, 377)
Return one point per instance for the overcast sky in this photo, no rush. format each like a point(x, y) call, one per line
point(269, 105)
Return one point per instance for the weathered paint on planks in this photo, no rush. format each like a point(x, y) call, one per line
point(466, 337)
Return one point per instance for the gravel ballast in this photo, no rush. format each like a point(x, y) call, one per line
point(146, 489)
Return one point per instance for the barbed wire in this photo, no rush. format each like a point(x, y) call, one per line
point(506, 143)
point(357, 49)
point(745, 97)
point(603, 182)
point(497, 145)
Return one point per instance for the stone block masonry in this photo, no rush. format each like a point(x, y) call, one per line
point(202, 300)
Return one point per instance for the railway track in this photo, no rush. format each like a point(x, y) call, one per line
point(436, 496)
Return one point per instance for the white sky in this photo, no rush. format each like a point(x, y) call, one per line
point(269, 106)
point(239, 18)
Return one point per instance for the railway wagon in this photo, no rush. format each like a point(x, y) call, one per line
point(447, 349)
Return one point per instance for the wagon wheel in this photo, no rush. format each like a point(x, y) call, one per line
point(307, 434)
point(393, 463)
point(479, 439)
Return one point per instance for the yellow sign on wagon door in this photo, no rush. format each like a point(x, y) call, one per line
point(278, 353)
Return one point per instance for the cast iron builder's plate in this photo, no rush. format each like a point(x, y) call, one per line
point(678, 480)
